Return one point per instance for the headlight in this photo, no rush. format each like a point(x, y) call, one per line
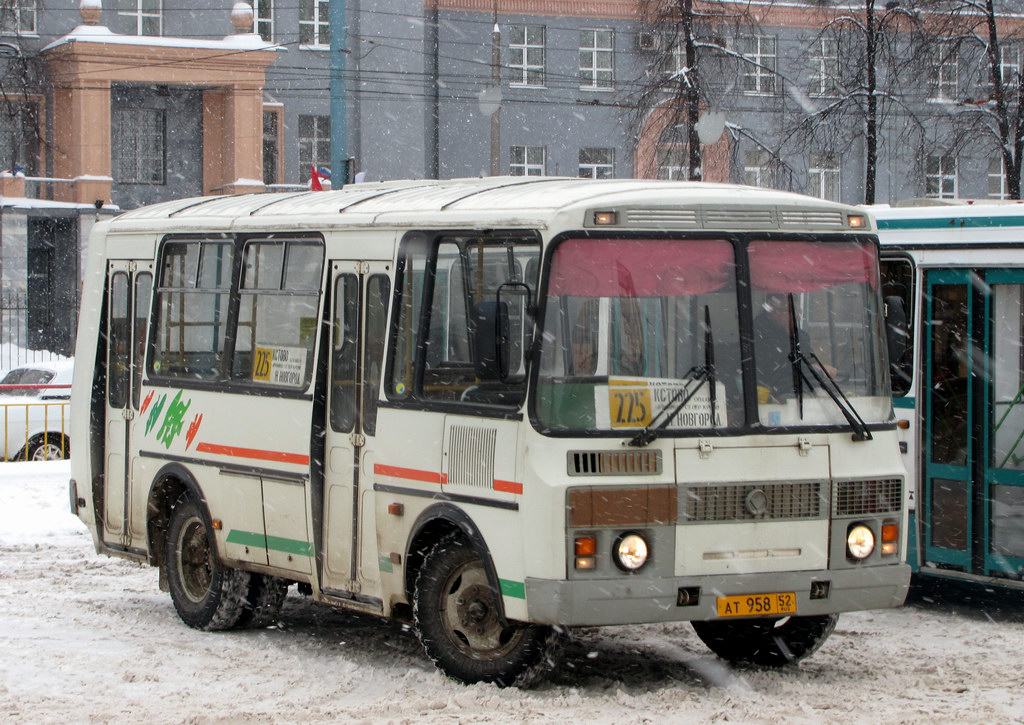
point(630, 552)
point(860, 541)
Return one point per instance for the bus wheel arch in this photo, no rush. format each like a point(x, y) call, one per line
point(434, 524)
point(172, 481)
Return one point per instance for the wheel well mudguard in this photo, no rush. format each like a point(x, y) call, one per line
point(168, 485)
point(436, 522)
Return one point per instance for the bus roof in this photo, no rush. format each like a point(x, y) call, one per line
point(504, 201)
point(931, 216)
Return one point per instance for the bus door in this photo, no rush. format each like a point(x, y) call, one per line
point(1004, 438)
point(360, 294)
point(129, 285)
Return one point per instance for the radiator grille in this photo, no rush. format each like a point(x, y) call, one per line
point(471, 456)
point(752, 501)
point(857, 498)
point(613, 463)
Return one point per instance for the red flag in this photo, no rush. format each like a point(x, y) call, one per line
point(314, 179)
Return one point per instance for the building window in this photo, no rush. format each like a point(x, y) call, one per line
point(265, 19)
point(140, 17)
point(940, 177)
point(824, 68)
point(140, 146)
point(997, 179)
point(1009, 64)
point(674, 163)
point(314, 144)
point(758, 169)
point(526, 55)
point(527, 160)
point(943, 72)
point(315, 23)
point(597, 163)
point(596, 59)
point(271, 146)
point(18, 17)
point(823, 177)
point(759, 66)
point(19, 136)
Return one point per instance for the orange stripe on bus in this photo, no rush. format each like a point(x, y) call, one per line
point(508, 486)
point(254, 453)
point(411, 474)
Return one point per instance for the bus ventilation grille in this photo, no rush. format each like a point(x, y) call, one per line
point(614, 463)
point(752, 501)
point(667, 217)
point(812, 218)
point(471, 456)
point(857, 498)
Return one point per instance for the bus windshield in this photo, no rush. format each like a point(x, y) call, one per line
point(648, 334)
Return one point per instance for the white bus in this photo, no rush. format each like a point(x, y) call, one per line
point(497, 408)
point(956, 273)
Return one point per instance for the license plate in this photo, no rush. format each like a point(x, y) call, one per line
point(756, 605)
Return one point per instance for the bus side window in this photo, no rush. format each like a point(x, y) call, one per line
point(118, 355)
point(898, 285)
point(378, 289)
point(344, 349)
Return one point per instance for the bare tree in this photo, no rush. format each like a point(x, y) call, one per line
point(994, 85)
point(20, 131)
point(691, 66)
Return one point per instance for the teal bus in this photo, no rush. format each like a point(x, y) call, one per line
point(953, 286)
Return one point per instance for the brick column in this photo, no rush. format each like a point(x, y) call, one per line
point(81, 134)
point(233, 139)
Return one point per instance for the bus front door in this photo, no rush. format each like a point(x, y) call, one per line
point(360, 292)
point(129, 286)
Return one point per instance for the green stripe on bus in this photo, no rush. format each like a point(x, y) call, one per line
point(904, 403)
point(951, 222)
point(512, 589)
point(273, 543)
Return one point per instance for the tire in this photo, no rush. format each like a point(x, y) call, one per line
point(460, 628)
point(206, 594)
point(48, 448)
point(766, 642)
point(263, 601)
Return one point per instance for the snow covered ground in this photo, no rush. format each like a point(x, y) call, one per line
point(88, 639)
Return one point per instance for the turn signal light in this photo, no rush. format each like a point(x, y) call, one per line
point(890, 535)
point(586, 546)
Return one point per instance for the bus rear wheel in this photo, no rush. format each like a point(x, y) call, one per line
point(206, 594)
point(766, 642)
point(462, 630)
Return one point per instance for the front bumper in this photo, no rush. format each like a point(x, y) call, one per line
point(635, 600)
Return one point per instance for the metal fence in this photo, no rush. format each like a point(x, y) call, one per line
point(18, 343)
point(35, 431)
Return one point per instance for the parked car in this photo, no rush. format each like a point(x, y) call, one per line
point(44, 435)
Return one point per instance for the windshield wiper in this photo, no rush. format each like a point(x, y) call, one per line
point(817, 368)
point(697, 374)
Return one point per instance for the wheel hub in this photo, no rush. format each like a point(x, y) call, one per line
point(475, 610)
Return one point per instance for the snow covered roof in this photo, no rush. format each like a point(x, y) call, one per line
point(102, 34)
point(476, 202)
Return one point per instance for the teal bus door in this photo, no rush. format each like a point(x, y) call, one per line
point(948, 525)
point(1004, 414)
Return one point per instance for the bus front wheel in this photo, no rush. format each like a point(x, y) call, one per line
point(766, 642)
point(462, 630)
point(206, 594)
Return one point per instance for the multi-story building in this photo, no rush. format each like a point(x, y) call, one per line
point(143, 100)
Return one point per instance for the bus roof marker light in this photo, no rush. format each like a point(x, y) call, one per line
point(605, 218)
point(856, 221)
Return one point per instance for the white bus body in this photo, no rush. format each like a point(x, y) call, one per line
point(958, 273)
point(499, 407)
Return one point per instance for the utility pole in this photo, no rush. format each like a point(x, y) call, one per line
point(339, 129)
point(496, 83)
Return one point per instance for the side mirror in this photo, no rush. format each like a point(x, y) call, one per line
point(490, 340)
